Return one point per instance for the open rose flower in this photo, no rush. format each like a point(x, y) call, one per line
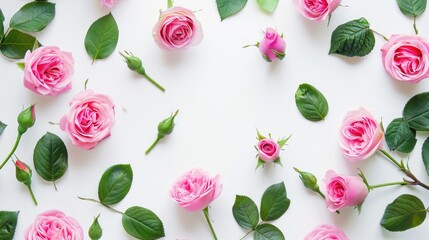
point(108, 3)
point(360, 135)
point(52, 225)
point(317, 10)
point(344, 191)
point(406, 58)
point(326, 232)
point(272, 46)
point(90, 119)
point(48, 70)
point(177, 28)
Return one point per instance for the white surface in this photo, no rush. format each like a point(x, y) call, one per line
point(224, 93)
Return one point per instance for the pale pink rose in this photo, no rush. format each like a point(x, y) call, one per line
point(360, 135)
point(326, 232)
point(90, 119)
point(344, 191)
point(317, 10)
point(196, 189)
point(108, 3)
point(54, 225)
point(48, 70)
point(272, 46)
point(177, 28)
point(406, 58)
point(268, 150)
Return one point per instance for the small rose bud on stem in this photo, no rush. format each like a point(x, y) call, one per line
point(23, 174)
point(95, 232)
point(165, 127)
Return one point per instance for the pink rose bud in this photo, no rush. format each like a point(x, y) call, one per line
point(326, 232)
point(344, 191)
point(272, 46)
point(196, 189)
point(48, 71)
point(108, 3)
point(317, 10)
point(406, 58)
point(360, 135)
point(23, 172)
point(177, 29)
point(268, 150)
point(26, 119)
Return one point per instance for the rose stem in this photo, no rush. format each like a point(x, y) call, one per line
point(153, 144)
point(371, 187)
point(96, 201)
point(381, 35)
point(415, 26)
point(170, 3)
point(206, 215)
point(247, 234)
point(32, 195)
point(18, 138)
point(154, 82)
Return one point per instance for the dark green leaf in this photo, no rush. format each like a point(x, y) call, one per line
point(311, 102)
point(274, 202)
point(267, 231)
point(400, 137)
point(50, 157)
point(1, 24)
point(115, 184)
point(353, 38)
point(95, 231)
point(2, 127)
point(142, 223)
point(8, 221)
point(33, 16)
point(268, 5)
point(405, 212)
point(15, 44)
point(412, 8)
point(227, 8)
point(102, 37)
point(245, 212)
point(416, 112)
point(425, 154)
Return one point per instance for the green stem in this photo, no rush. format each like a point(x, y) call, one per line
point(415, 26)
point(381, 35)
point(320, 193)
point(206, 215)
point(170, 3)
point(13, 150)
point(371, 187)
point(96, 201)
point(386, 154)
point(153, 145)
point(247, 234)
point(32, 194)
point(154, 82)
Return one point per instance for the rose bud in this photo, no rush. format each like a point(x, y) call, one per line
point(269, 150)
point(165, 127)
point(23, 174)
point(95, 232)
point(309, 180)
point(26, 119)
point(272, 46)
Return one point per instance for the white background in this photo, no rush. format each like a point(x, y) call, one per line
point(224, 93)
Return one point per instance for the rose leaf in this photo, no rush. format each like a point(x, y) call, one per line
point(115, 184)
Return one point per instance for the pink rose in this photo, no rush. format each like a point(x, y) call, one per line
point(273, 46)
point(326, 232)
point(268, 150)
point(47, 71)
point(52, 225)
point(360, 135)
point(342, 191)
point(406, 58)
point(108, 3)
point(90, 119)
point(317, 10)
point(177, 28)
point(196, 189)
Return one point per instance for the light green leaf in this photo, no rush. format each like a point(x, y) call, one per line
point(33, 16)
point(311, 103)
point(425, 154)
point(2, 127)
point(400, 137)
point(95, 231)
point(142, 223)
point(15, 44)
point(268, 5)
point(8, 221)
point(412, 8)
point(102, 37)
point(416, 112)
point(227, 8)
point(267, 231)
point(1, 24)
point(115, 184)
point(274, 202)
point(353, 38)
point(245, 212)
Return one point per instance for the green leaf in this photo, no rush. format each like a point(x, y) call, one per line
point(412, 8)
point(50, 157)
point(425, 154)
point(268, 5)
point(400, 137)
point(227, 8)
point(267, 231)
point(311, 102)
point(245, 212)
point(1, 24)
point(274, 202)
point(2, 127)
point(33, 16)
point(115, 184)
point(102, 37)
point(95, 231)
point(15, 44)
point(416, 112)
point(142, 223)
point(353, 38)
point(405, 212)
point(8, 221)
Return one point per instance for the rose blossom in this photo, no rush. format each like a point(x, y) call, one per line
point(406, 58)
point(47, 70)
point(52, 225)
point(317, 10)
point(326, 232)
point(360, 135)
point(272, 46)
point(108, 3)
point(177, 28)
point(196, 189)
point(342, 191)
point(90, 119)
point(268, 150)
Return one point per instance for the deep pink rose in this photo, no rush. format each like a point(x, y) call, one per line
point(406, 58)
point(344, 191)
point(272, 46)
point(326, 232)
point(360, 135)
point(108, 3)
point(48, 70)
point(268, 150)
point(90, 119)
point(317, 10)
point(177, 28)
point(196, 189)
point(54, 225)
